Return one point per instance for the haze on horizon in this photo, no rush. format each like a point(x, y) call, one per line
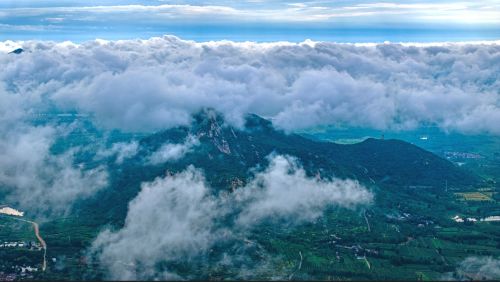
point(253, 20)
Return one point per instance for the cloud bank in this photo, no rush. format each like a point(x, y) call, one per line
point(476, 268)
point(32, 177)
point(146, 85)
point(176, 220)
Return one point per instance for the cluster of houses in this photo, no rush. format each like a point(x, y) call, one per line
point(26, 269)
point(8, 276)
point(457, 218)
point(462, 155)
point(359, 251)
point(31, 245)
point(18, 272)
point(419, 221)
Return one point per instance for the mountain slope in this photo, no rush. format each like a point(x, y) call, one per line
point(226, 154)
point(397, 234)
point(376, 160)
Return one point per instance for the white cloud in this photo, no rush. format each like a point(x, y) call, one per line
point(476, 268)
point(120, 150)
point(178, 219)
point(144, 85)
point(38, 181)
point(32, 177)
point(170, 220)
point(174, 9)
point(462, 12)
point(284, 191)
point(169, 152)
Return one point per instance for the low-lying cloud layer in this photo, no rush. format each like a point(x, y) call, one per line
point(170, 152)
point(177, 220)
point(32, 177)
point(476, 268)
point(142, 85)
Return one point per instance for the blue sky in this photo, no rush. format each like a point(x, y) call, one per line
point(256, 20)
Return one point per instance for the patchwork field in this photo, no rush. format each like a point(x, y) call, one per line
point(476, 196)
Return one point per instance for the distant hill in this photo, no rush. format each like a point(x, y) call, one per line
point(17, 51)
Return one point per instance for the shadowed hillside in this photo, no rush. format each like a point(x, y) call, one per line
point(225, 154)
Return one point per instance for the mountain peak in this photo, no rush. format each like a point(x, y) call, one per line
point(253, 122)
point(17, 51)
point(232, 148)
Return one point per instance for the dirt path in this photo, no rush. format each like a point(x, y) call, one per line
point(42, 243)
point(298, 268)
point(442, 257)
point(368, 263)
point(367, 222)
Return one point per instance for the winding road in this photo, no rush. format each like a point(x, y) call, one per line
point(298, 268)
point(42, 243)
point(367, 222)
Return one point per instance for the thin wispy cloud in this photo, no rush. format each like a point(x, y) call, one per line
point(287, 12)
point(199, 17)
